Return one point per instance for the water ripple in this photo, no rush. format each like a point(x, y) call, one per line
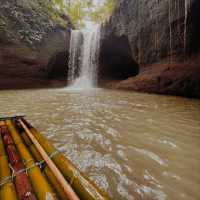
point(133, 145)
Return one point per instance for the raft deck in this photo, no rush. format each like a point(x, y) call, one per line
point(32, 168)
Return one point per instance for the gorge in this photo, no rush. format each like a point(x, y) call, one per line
point(159, 37)
point(114, 85)
point(148, 46)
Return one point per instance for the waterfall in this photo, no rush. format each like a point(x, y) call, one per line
point(75, 43)
point(84, 56)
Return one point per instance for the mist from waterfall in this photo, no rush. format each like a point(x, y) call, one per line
point(84, 56)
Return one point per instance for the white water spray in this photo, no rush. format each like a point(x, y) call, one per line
point(87, 76)
point(74, 61)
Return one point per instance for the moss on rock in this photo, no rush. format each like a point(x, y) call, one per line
point(29, 20)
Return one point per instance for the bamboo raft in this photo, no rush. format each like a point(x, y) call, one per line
point(31, 168)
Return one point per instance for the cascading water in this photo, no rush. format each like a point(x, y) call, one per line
point(86, 61)
point(75, 53)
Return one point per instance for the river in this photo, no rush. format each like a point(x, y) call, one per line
point(135, 146)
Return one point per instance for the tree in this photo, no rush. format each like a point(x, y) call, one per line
point(103, 12)
point(78, 10)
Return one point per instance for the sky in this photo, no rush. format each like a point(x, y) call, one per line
point(98, 2)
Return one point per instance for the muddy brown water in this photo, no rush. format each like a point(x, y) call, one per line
point(135, 146)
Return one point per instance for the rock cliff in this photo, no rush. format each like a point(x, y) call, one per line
point(32, 34)
point(159, 36)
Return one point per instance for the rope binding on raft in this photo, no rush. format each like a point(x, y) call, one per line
point(37, 164)
point(25, 154)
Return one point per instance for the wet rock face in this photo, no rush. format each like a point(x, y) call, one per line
point(116, 61)
point(32, 34)
point(57, 65)
point(157, 31)
point(194, 27)
point(54, 53)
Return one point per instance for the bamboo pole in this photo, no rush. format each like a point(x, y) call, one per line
point(34, 171)
point(7, 191)
point(22, 183)
point(60, 192)
point(63, 183)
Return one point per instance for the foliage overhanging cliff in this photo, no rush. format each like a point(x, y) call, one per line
point(31, 32)
point(35, 36)
point(29, 21)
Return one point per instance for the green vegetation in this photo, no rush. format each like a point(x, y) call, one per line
point(103, 12)
point(78, 10)
point(30, 20)
point(94, 10)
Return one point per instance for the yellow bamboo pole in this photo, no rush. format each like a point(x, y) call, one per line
point(39, 183)
point(7, 190)
point(46, 169)
point(63, 183)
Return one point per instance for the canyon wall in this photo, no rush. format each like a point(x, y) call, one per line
point(34, 43)
point(159, 36)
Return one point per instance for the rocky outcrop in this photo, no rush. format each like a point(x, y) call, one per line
point(162, 78)
point(163, 38)
point(32, 34)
